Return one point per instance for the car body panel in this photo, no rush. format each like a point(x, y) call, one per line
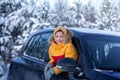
point(26, 65)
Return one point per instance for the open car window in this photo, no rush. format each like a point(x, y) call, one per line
point(105, 52)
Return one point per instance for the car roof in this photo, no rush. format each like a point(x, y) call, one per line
point(86, 31)
point(96, 31)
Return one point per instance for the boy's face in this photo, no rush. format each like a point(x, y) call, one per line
point(59, 37)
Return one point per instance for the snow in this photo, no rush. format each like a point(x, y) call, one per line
point(34, 20)
point(4, 39)
point(1, 19)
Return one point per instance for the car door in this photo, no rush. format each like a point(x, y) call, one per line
point(36, 55)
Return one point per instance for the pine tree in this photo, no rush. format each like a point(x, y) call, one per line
point(108, 15)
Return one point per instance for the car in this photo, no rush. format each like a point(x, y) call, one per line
point(98, 56)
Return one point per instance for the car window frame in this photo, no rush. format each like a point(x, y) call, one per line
point(102, 37)
point(41, 33)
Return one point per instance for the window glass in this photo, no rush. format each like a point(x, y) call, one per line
point(105, 52)
point(38, 46)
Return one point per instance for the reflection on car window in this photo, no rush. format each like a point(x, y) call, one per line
point(38, 46)
point(100, 50)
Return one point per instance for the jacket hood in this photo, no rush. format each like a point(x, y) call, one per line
point(67, 34)
point(60, 28)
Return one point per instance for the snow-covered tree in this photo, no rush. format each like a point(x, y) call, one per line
point(89, 13)
point(75, 15)
point(78, 13)
point(108, 16)
point(61, 9)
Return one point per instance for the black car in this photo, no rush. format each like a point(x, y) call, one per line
point(99, 57)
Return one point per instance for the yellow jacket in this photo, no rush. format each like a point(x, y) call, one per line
point(58, 51)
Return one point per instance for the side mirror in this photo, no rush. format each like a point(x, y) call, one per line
point(66, 64)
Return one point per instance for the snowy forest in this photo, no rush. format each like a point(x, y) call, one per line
point(20, 18)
